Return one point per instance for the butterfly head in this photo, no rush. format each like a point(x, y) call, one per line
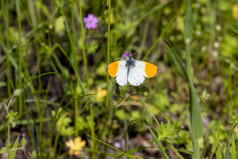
point(127, 56)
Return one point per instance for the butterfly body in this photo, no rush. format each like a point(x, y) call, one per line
point(132, 71)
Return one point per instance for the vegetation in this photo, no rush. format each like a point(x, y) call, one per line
point(57, 100)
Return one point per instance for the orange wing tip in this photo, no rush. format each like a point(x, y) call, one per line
point(151, 70)
point(112, 68)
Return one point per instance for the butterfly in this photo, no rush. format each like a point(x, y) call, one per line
point(132, 71)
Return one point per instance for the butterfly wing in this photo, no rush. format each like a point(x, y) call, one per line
point(137, 73)
point(150, 70)
point(121, 76)
point(112, 68)
point(118, 69)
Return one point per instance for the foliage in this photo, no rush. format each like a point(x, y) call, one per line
point(56, 94)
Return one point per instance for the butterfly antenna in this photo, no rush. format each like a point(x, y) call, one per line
point(133, 54)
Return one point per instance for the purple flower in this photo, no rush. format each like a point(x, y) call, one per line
point(126, 55)
point(91, 21)
point(117, 145)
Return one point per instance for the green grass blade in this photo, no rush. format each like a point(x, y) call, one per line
point(233, 148)
point(188, 23)
point(216, 145)
point(13, 152)
point(229, 141)
point(20, 61)
point(196, 119)
point(125, 154)
point(35, 77)
point(195, 112)
point(108, 48)
point(157, 40)
point(156, 8)
point(177, 61)
point(83, 44)
point(158, 144)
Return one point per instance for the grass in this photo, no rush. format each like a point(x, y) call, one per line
point(54, 87)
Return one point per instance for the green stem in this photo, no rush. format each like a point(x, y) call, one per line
point(83, 44)
point(32, 12)
point(115, 36)
point(75, 66)
point(196, 149)
point(35, 97)
point(19, 56)
point(74, 59)
point(108, 49)
point(76, 116)
point(92, 131)
point(151, 117)
point(174, 149)
point(230, 89)
point(157, 40)
point(8, 53)
point(55, 144)
point(8, 134)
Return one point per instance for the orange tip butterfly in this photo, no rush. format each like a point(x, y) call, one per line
point(133, 71)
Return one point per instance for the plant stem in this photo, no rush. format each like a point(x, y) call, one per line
point(108, 48)
point(8, 53)
point(31, 9)
point(92, 131)
point(19, 56)
point(73, 53)
point(83, 45)
point(75, 66)
point(76, 116)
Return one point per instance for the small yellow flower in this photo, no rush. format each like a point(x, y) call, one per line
point(235, 11)
point(100, 94)
point(75, 146)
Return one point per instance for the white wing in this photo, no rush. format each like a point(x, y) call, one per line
point(137, 73)
point(121, 76)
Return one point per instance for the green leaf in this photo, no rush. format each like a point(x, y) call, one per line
point(14, 147)
point(23, 142)
point(188, 23)
point(3, 149)
point(3, 84)
point(135, 115)
point(9, 146)
point(216, 145)
point(33, 155)
point(196, 118)
point(11, 116)
point(166, 131)
point(59, 25)
point(82, 123)
point(233, 148)
point(63, 124)
point(195, 112)
point(92, 47)
point(121, 114)
point(43, 8)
